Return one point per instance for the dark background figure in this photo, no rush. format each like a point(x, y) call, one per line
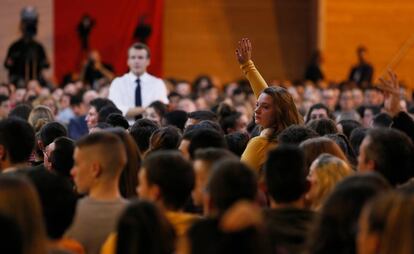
point(313, 70)
point(84, 29)
point(362, 73)
point(26, 58)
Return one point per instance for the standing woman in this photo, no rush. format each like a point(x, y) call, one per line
point(275, 110)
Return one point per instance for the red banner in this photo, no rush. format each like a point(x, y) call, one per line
point(115, 23)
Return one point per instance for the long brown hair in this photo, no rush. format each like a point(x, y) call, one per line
point(286, 112)
point(19, 200)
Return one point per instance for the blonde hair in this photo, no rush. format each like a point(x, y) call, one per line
point(328, 170)
point(19, 200)
point(39, 116)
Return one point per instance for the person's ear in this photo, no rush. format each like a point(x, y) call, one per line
point(96, 169)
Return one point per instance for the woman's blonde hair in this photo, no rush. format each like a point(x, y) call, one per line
point(328, 170)
point(39, 116)
point(19, 200)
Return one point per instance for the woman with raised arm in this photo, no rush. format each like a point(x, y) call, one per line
point(275, 109)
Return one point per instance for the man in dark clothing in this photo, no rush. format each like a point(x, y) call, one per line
point(287, 222)
point(361, 73)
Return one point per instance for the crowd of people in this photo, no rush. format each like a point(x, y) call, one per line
point(136, 164)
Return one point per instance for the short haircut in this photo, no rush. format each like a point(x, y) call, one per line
point(203, 115)
point(173, 174)
point(285, 174)
point(165, 138)
point(212, 155)
point(117, 120)
point(21, 111)
point(382, 120)
point(139, 45)
point(62, 156)
point(317, 106)
point(141, 131)
point(231, 181)
point(178, 118)
point(393, 154)
point(18, 139)
point(58, 202)
point(50, 131)
point(206, 124)
point(323, 126)
point(105, 111)
point(204, 138)
point(237, 142)
point(109, 148)
point(357, 136)
point(295, 134)
point(76, 100)
point(99, 103)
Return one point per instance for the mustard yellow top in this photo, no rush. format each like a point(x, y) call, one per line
point(256, 80)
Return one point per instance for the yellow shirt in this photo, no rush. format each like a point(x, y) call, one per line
point(256, 152)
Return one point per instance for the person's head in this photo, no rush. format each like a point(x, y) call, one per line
point(342, 141)
point(373, 96)
point(99, 159)
point(323, 126)
point(204, 138)
point(167, 179)
point(142, 228)
point(346, 101)
point(357, 135)
point(237, 142)
point(39, 116)
point(95, 106)
point(368, 114)
point(316, 146)
point(295, 134)
point(230, 181)
point(381, 120)
point(141, 131)
point(200, 115)
point(276, 109)
point(285, 175)
point(177, 118)
point(358, 96)
point(336, 228)
point(61, 157)
point(58, 202)
point(203, 164)
point(77, 105)
point(187, 105)
point(165, 138)
point(389, 152)
point(317, 111)
point(324, 174)
point(138, 58)
point(329, 98)
point(385, 225)
point(105, 111)
point(19, 200)
point(17, 140)
point(231, 120)
point(117, 120)
point(155, 112)
point(347, 126)
point(361, 54)
point(47, 101)
point(22, 111)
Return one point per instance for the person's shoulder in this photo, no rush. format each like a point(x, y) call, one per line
point(153, 78)
point(120, 79)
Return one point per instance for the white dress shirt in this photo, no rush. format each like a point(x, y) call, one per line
point(122, 91)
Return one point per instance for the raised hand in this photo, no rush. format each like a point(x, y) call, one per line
point(244, 51)
point(391, 89)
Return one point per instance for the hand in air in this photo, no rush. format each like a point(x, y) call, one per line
point(244, 51)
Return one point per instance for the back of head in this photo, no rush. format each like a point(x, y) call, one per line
point(177, 118)
point(173, 174)
point(21, 111)
point(50, 131)
point(204, 138)
point(382, 120)
point(99, 103)
point(62, 156)
point(117, 120)
point(165, 138)
point(141, 131)
point(213, 154)
point(17, 138)
point(323, 126)
point(40, 113)
point(237, 142)
point(357, 135)
point(348, 126)
point(342, 141)
point(295, 134)
point(201, 115)
point(107, 149)
point(105, 111)
point(58, 202)
point(336, 228)
point(231, 181)
point(143, 229)
point(393, 154)
point(285, 174)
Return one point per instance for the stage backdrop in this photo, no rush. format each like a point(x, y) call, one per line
point(112, 34)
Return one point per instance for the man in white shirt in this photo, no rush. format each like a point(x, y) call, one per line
point(135, 90)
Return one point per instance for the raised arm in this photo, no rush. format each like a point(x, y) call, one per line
point(244, 56)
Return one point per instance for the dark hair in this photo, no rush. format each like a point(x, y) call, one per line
point(285, 174)
point(227, 117)
point(231, 181)
point(200, 115)
point(21, 111)
point(141, 131)
point(50, 131)
point(173, 174)
point(237, 142)
point(58, 202)
point(159, 107)
point(348, 126)
point(177, 118)
point(204, 138)
point(11, 235)
point(165, 138)
point(99, 103)
point(139, 45)
point(207, 124)
point(295, 134)
point(117, 120)
point(335, 230)
point(62, 156)
point(323, 126)
point(393, 154)
point(382, 120)
point(212, 154)
point(317, 106)
point(18, 139)
point(105, 111)
point(76, 100)
point(142, 228)
point(342, 141)
point(357, 135)
point(128, 181)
